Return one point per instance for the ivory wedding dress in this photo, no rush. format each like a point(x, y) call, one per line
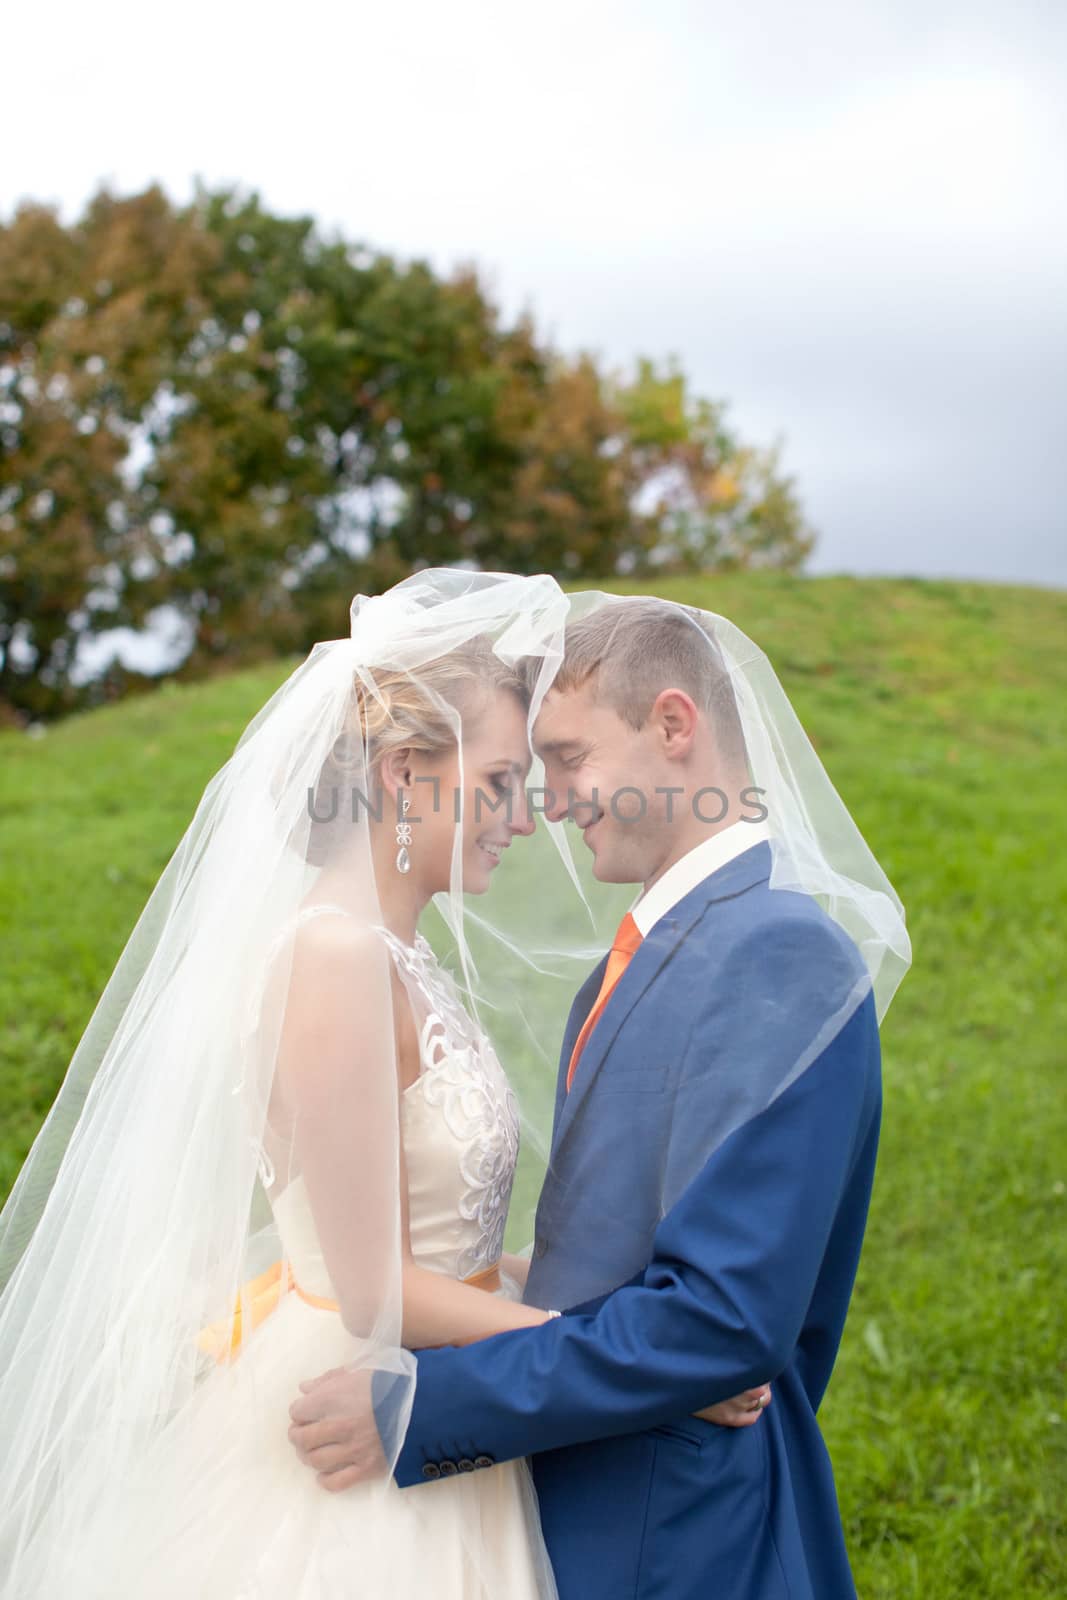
point(237, 1517)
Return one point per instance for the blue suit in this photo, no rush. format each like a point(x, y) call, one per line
point(686, 1278)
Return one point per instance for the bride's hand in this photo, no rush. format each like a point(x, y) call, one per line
point(741, 1411)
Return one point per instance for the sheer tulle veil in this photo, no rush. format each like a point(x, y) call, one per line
point(141, 1218)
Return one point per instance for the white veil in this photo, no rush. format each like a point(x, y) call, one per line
point(138, 1249)
point(142, 1214)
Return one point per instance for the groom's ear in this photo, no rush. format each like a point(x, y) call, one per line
point(676, 720)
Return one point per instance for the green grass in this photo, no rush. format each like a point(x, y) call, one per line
point(940, 710)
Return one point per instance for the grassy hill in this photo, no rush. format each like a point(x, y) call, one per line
point(940, 710)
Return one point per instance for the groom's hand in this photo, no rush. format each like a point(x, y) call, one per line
point(333, 1430)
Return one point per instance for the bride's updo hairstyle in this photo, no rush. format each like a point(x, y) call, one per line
point(402, 711)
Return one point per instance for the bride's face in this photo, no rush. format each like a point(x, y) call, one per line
point(491, 791)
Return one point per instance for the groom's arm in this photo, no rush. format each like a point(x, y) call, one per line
point(721, 1304)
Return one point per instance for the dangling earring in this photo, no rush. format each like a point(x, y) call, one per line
point(403, 836)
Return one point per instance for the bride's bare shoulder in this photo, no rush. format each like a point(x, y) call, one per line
point(331, 957)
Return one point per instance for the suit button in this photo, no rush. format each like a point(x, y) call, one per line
point(448, 1469)
point(483, 1461)
point(539, 1248)
point(431, 1470)
point(466, 1465)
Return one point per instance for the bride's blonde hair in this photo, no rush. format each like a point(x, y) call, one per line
point(410, 710)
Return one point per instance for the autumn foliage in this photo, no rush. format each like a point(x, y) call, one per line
point(225, 417)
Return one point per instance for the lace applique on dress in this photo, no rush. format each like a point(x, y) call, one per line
point(462, 1078)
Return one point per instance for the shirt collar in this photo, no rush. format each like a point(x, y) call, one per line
point(692, 868)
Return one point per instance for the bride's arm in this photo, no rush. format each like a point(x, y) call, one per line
point(337, 1075)
point(517, 1267)
point(441, 1310)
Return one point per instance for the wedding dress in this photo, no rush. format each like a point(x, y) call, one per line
point(240, 1517)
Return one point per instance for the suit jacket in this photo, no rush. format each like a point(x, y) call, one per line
point(686, 1278)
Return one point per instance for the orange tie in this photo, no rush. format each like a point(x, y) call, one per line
point(626, 942)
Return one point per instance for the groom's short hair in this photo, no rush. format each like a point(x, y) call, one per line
point(633, 648)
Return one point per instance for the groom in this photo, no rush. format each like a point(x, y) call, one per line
point(712, 1158)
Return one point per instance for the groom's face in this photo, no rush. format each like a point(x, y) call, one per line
point(601, 774)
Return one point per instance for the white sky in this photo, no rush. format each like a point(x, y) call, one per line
point(848, 220)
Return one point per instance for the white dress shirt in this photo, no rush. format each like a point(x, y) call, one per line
point(692, 868)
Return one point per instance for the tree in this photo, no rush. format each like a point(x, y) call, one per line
point(90, 319)
point(227, 414)
point(713, 502)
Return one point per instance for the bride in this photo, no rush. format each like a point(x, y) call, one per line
point(285, 1144)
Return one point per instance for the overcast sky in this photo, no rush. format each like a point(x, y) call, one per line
point(848, 220)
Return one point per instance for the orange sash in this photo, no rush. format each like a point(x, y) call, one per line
point(222, 1340)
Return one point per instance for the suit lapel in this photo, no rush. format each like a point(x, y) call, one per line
point(650, 958)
